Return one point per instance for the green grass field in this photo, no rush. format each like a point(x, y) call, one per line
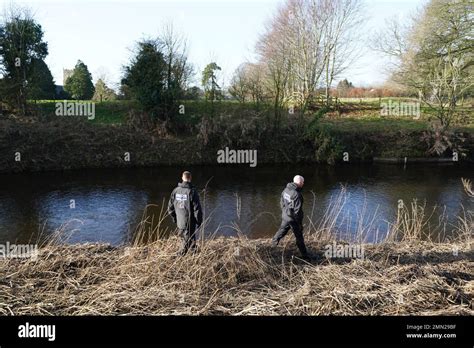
point(107, 112)
point(356, 114)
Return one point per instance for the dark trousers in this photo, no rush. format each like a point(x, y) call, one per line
point(189, 239)
point(297, 228)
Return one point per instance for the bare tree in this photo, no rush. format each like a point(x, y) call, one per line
point(307, 45)
point(342, 38)
point(239, 84)
point(274, 53)
point(178, 71)
point(247, 83)
point(254, 80)
point(433, 56)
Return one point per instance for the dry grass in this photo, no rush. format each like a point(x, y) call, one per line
point(468, 187)
point(236, 276)
point(239, 277)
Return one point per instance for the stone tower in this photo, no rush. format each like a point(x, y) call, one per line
point(66, 74)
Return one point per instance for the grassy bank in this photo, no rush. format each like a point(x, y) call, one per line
point(107, 112)
point(239, 277)
point(49, 142)
point(75, 145)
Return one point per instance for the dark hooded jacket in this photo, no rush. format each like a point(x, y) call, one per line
point(184, 206)
point(291, 203)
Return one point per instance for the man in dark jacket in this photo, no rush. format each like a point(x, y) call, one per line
point(185, 210)
point(291, 203)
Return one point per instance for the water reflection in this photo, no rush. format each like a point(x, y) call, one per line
point(109, 203)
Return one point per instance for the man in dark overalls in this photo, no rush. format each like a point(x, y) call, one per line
point(291, 203)
point(185, 210)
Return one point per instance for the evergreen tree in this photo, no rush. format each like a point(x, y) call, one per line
point(79, 85)
point(41, 84)
point(145, 77)
point(209, 82)
point(21, 43)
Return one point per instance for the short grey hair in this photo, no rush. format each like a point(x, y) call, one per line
point(298, 179)
point(186, 176)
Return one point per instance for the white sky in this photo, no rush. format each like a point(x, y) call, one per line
point(101, 33)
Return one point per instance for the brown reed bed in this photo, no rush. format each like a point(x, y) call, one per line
point(236, 276)
point(401, 275)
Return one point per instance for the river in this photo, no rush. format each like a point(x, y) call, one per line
point(106, 205)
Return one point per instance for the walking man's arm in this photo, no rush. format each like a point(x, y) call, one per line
point(197, 210)
point(171, 210)
point(298, 208)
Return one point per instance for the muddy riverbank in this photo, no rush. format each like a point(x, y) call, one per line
point(67, 145)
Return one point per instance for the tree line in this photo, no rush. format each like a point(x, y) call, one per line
point(306, 46)
point(433, 54)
